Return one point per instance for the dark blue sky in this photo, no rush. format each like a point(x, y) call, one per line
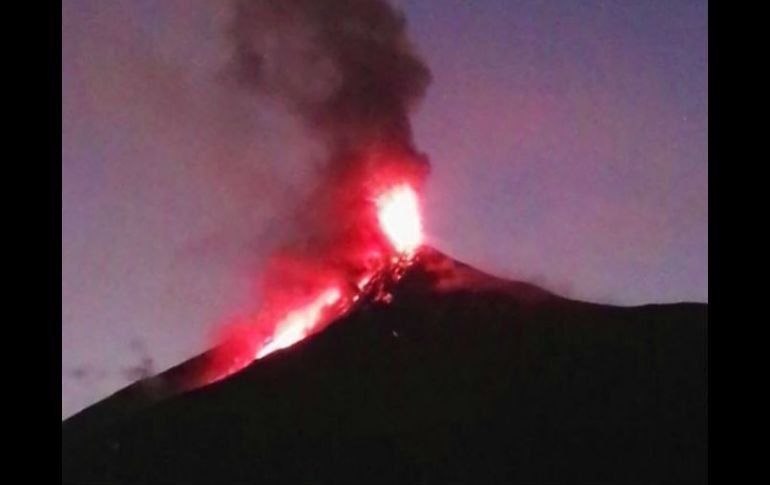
point(568, 141)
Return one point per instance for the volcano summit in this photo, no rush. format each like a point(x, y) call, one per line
point(460, 377)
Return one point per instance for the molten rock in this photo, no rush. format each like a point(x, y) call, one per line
point(462, 377)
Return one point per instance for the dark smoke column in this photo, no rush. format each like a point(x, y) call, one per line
point(345, 66)
point(346, 69)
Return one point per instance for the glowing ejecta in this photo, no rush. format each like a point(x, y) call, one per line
point(399, 218)
point(299, 323)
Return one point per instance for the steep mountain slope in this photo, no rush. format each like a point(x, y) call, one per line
point(460, 378)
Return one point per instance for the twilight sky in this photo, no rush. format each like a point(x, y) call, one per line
point(568, 142)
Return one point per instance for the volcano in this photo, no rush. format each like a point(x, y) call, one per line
point(457, 376)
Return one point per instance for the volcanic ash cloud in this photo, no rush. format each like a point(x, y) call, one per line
point(346, 69)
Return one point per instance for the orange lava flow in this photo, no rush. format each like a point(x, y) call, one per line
point(397, 218)
point(299, 323)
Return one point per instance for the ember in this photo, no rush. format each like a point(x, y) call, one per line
point(398, 220)
point(299, 323)
point(359, 227)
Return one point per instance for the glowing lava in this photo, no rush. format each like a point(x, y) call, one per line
point(399, 217)
point(396, 216)
point(299, 323)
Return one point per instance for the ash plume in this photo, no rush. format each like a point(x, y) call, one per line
point(346, 66)
point(348, 71)
point(238, 139)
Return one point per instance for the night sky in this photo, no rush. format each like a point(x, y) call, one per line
point(568, 142)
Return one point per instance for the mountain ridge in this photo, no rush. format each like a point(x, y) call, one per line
point(462, 376)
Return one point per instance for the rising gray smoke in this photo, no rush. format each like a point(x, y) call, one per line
point(347, 69)
point(226, 129)
point(346, 66)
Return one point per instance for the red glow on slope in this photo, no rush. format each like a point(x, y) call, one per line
point(299, 323)
point(308, 294)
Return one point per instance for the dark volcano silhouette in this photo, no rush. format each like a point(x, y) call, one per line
point(461, 378)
